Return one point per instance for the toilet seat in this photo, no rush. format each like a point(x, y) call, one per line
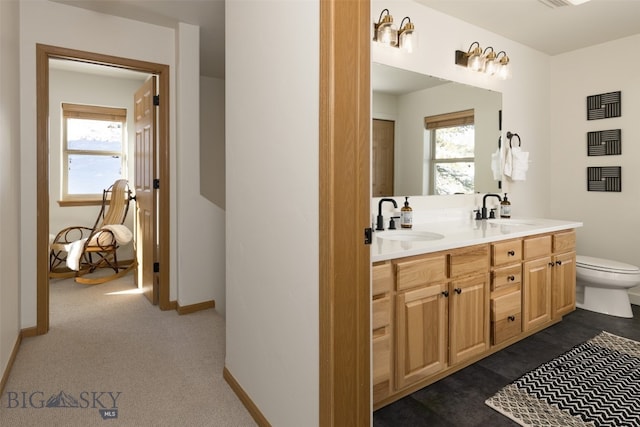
point(605, 265)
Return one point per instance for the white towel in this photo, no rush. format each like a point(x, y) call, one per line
point(74, 253)
point(121, 233)
point(516, 163)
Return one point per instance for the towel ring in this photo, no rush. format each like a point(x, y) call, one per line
point(511, 135)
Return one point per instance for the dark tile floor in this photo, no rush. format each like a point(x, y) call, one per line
point(458, 400)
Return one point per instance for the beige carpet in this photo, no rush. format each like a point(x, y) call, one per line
point(113, 359)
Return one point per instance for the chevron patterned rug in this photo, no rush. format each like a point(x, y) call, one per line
point(597, 383)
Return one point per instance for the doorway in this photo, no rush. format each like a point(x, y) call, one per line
point(43, 54)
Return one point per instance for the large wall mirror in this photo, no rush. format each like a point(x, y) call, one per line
point(402, 145)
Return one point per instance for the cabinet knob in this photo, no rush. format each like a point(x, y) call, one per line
point(512, 318)
point(445, 293)
point(511, 253)
point(511, 278)
point(558, 262)
point(551, 264)
point(458, 291)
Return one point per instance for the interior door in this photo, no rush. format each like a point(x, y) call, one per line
point(145, 171)
point(382, 157)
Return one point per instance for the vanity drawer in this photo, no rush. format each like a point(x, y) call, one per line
point(506, 276)
point(506, 318)
point(421, 271)
point(564, 242)
point(380, 312)
point(382, 280)
point(536, 247)
point(506, 252)
point(471, 260)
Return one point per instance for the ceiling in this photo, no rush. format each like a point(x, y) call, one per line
point(549, 30)
point(530, 22)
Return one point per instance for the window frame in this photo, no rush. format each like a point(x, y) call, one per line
point(441, 121)
point(89, 112)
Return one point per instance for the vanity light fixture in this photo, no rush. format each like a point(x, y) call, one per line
point(487, 61)
point(385, 33)
point(504, 71)
point(407, 36)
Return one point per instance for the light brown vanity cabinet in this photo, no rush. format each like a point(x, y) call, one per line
point(468, 303)
point(563, 274)
point(436, 313)
point(536, 282)
point(381, 329)
point(442, 309)
point(421, 318)
point(506, 290)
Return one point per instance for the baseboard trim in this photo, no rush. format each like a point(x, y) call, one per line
point(29, 332)
point(12, 359)
point(192, 308)
point(255, 412)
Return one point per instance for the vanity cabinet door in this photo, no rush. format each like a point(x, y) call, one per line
point(536, 293)
point(421, 331)
point(563, 282)
point(468, 318)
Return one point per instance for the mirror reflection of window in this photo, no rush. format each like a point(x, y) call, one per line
point(450, 160)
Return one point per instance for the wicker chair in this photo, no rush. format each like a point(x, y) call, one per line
point(95, 247)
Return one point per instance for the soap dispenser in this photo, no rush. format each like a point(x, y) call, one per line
point(505, 207)
point(406, 215)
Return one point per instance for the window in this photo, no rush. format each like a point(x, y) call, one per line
point(452, 147)
point(94, 150)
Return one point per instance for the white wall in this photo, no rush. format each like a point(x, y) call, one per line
point(9, 182)
point(200, 222)
point(611, 220)
point(525, 99)
point(89, 89)
point(212, 146)
point(212, 180)
point(272, 110)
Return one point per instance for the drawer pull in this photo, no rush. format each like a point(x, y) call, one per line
point(445, 293)
point(511, 253)
point(458, 291)
point(512, 318)
point(511, 278)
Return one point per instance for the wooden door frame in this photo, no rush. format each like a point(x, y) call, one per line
point(43, 54)
point(345, 194)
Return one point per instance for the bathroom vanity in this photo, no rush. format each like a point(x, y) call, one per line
point(446, 295)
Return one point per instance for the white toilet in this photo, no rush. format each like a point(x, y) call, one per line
point(603, 285)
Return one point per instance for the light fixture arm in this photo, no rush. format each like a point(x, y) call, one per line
point(382, 13)
point(477, 47)
point(409, 25)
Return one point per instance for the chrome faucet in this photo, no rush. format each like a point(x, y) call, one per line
point(380, 218)
point(484, 203)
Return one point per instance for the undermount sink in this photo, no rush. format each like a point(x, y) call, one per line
point(409, 235)
point(512, 222)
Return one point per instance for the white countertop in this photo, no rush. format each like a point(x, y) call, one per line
point(457, 234)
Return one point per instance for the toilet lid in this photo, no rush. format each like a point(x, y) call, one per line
point(605, 265)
